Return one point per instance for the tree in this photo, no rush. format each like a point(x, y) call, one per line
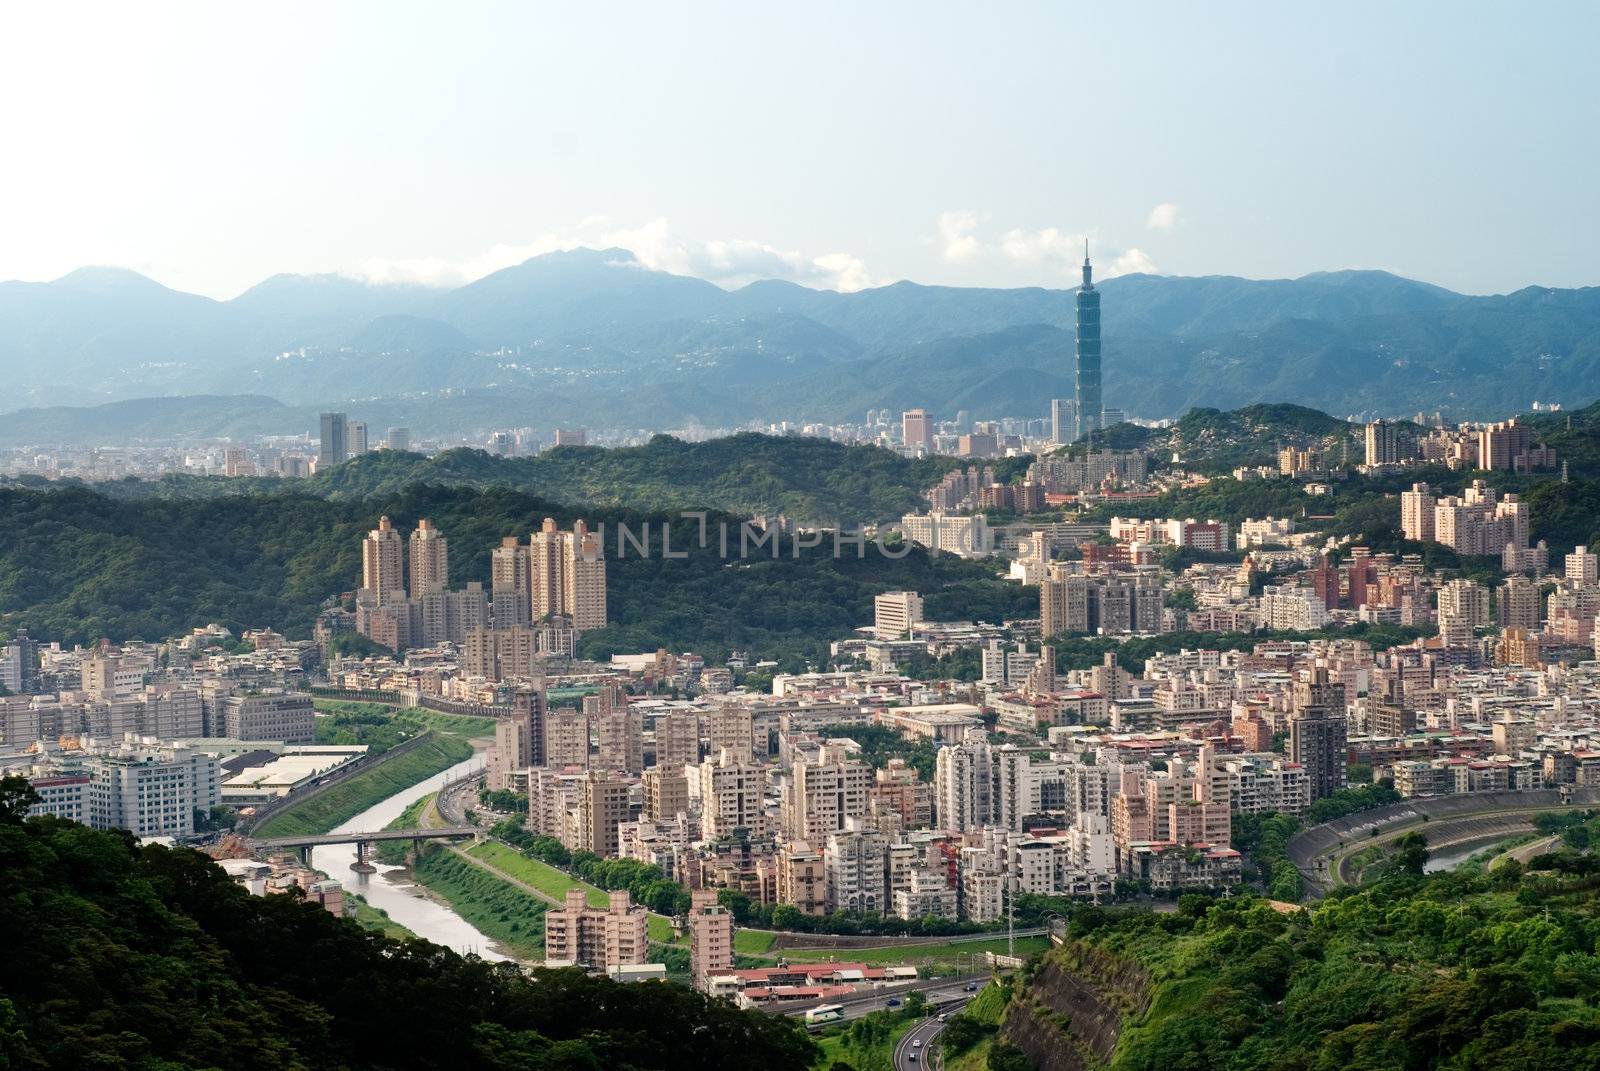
point(17, 797)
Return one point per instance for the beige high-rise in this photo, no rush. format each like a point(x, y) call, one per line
point(509, 583)
point(603, 807)
point(430, 560)
point(383, 564)
point(710, 937)
point(567, 575)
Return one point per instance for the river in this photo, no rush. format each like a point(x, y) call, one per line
point(389, 888)
point(1456, 854)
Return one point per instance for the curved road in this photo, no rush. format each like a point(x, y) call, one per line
point(916, 1047)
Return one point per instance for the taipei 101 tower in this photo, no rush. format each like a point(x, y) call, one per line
point(1090, 414)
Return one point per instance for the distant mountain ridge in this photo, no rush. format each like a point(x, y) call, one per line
point(592, 336)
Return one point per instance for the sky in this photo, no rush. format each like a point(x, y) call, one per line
point(839, 145)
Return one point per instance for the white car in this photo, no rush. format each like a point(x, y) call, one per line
point(916, 1043)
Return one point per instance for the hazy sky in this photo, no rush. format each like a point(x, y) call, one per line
point(210, 145)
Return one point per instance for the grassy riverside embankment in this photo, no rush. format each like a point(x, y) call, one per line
point(499, 910)
point(376, 918)
point(321, 813)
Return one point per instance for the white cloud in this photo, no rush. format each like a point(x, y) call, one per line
point(729, 262)
point(1163, 217)
point(958, 235)
point(1130, 262)
point(1050, 245)
point(1053, 248)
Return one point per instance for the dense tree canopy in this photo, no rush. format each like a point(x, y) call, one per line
point(121, 956)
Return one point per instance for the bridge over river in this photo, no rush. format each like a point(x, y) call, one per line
point(362, 840)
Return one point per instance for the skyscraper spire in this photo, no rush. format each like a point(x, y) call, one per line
point(1090, 409)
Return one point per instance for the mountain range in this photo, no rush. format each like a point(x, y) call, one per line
point(593, 337)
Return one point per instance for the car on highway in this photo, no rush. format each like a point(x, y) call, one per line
point(916, 1043)
point(911, 1056)
point(892, 1002)
point(972, 987)
point(943, 1017)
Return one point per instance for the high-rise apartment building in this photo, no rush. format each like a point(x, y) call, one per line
point(963, 784)
point(566, 738)
point(1089, 404)
point(383, 564)
point(1518, 600)
point(916, 429)
point(567, 575)
point(666, 793)
point(510, 583)
point(1318, 730)
point(602, 807)
point(1416, 513)
point(618, 732)
point(1388, 443)
point(732, 796)
point(678, 740)
point(710, 938)
point(856, 860)
point(803, 878)
point(335, 447)
point(356, 437)
point(518, 740)
point(824, 794)
point(1581, 567)
point(430, 560)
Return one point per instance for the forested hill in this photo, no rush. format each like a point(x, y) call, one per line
point(117, 956)
point(1474, 971)
point(808, 480)
point(76, 565)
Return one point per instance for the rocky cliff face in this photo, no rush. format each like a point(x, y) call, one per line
point(1071, 1013)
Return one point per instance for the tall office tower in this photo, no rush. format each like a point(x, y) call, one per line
point(397, 439)
point(1063, 419)
point(1088, 376)
point(430, 560)
point(335, 449)
point(509, 583)
point(1318, 729)
point(916, 428)
point(356, 437)
point(382, 564)
point(567, 575)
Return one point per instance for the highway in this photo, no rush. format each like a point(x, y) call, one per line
point(916, 1047)
point(938, 991)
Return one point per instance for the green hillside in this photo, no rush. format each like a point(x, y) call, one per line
point(150, 958)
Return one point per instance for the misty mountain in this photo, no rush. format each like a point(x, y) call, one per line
point(592, 336)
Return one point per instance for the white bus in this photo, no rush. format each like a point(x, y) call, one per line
point(826, 1013)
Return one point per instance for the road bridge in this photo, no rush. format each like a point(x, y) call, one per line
point(302, 845)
